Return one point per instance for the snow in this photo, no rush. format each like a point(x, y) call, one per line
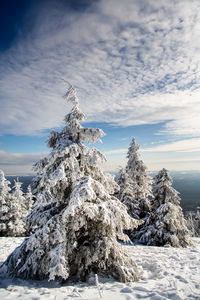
point(168, 273)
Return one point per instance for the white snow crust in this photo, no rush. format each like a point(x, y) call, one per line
point(168, 273)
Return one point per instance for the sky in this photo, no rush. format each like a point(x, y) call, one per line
point(135, 66)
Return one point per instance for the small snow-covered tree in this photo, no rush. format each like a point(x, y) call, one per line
point(196, 219)
point(193, 222)
point(17, 211)
point(4, 203)
point(127, 194)
point(29, 199)
point(75, 219)
point(166, 224)
point(135, 184)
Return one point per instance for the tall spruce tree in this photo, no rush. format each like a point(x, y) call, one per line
point(5, 202)
point(135, 184)
point(166, 224)
point(76, 218)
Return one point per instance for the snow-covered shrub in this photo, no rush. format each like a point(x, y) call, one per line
point(76, 219)
point(166, 224)
point(135, 184)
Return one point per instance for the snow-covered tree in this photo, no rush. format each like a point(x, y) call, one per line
point(76, 219)
point(12, 209)
point(17, 211)
point(166, 224)
point(29, 199)
point(4, 203)
point(193, 222)
point(197, 223)
point(126, 194)
point(135, 184)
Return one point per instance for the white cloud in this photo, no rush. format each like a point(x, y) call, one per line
point(116, 151)
point(189, 145)
point(18, 163)
point(133, 62)
point(181, 155)
point(174, 165)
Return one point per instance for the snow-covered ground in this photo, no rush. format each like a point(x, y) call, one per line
point(168, 273)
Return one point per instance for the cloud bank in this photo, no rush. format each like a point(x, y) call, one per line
point(18, 163)
point(190, 145)
point(133, 62)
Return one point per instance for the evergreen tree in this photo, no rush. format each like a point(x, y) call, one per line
point(135, 184)
point(193, 222)
point(29, 205)
point(126, 194)
point(76, 219)
point(17, 212)
point(29, 199)
point(166, 224)
point(4, 203)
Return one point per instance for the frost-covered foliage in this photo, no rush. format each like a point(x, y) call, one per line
point(166, 224)
point(5, 203)
point(193, 222)
point(135, 184)
point(76, 219)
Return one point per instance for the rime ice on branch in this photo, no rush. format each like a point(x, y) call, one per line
point(76, 219)
point(135, 184)
point(166, 224)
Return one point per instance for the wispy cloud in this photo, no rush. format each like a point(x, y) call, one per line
point(133, 62)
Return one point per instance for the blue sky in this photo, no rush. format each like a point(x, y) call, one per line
point(135, 65)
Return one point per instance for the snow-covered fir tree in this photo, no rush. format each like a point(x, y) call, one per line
point(193, 222)
point(166, 224)
point(76, 218)
point(17, 211)
point(29, 199)
point(5, 202)
point(135, 184)
point(127, 194)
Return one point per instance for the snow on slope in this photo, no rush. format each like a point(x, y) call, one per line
point(168, 273)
